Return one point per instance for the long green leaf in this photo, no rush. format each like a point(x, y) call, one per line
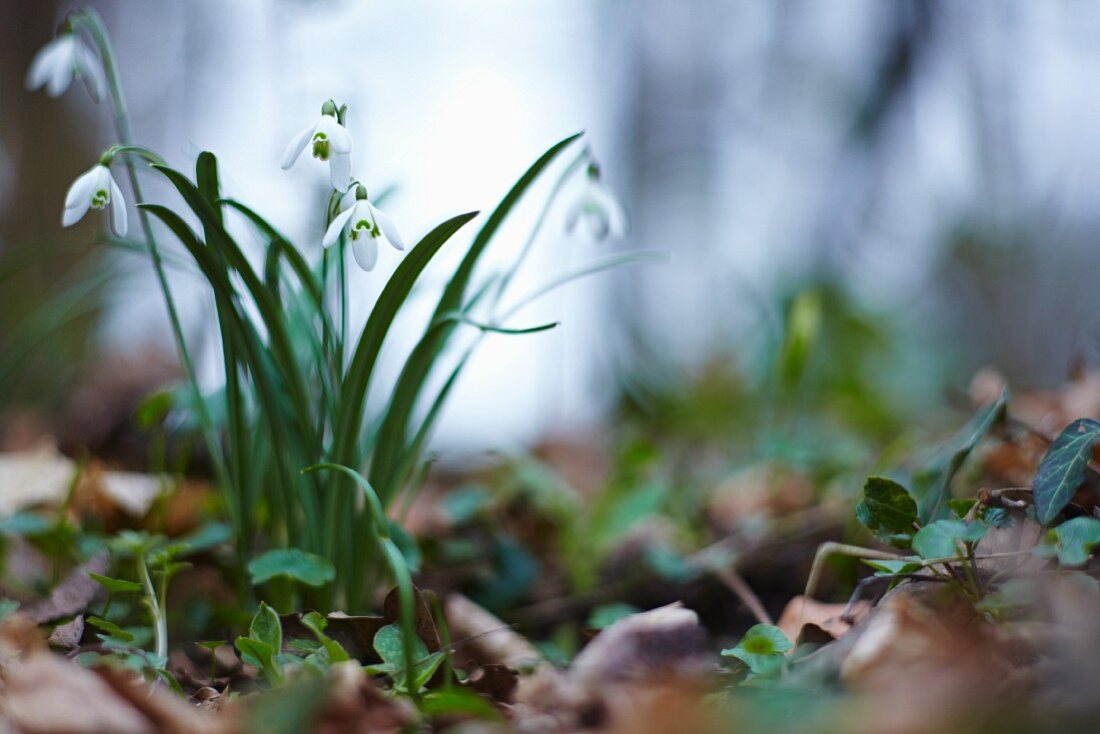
point(395, 426)
point(268, 307)
point(354, 390)
point(932, 486)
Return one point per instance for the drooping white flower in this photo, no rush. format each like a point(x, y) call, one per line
point(95, 189)
point(598, 208)
point(329, 141)
point(366, 225)
point(63, 59)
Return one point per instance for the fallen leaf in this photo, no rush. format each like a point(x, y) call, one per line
point(40, 476)
point(662, 643)
point(45, 693)
point(801, 612)
point(488, 639)
point(71, 596)
point(67, 636)
point(495, 681)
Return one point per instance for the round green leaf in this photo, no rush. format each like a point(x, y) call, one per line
point(305, 568)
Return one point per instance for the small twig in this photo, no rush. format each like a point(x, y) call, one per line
point(737, 584)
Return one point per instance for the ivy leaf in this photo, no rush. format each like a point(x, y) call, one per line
point(932, 486)
point(1062, 470)
point(941, 538)
point(306, 568)
point(1075, 539)
point(114, 586)
point(763, 649)
point(886, 508)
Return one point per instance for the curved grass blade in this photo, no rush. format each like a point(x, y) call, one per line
point(354, 388)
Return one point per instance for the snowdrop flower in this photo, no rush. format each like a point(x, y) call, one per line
point(330, 142)
point(95, 189)
point(63, 59)
point(366, 225)
point(598, 208)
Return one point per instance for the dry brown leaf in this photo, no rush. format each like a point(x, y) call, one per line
point(663, 643)
point(1021, 536)
point(71, 596)
point(67, 636)
point(916, 640)
point(168, 713)
point(801, 611)
point(355, 703)
point(40, 476)
point(44, 693)
point(644, 674)
point(486, 637)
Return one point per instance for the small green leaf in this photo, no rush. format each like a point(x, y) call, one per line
point(306, 568)
point(113, 630)
point(267, 628)
point(114, 586)
point(259, 655)
point(763, 649)
point(316, 623)
point(210, 535)
point(1075, 539)
point(886, 507)
point(961, 507)
point(460, 701)
point(425, 669)
point(154, 409)
point(389, 643)
point(941, 538)
point(891, 568)
point(1062, 470)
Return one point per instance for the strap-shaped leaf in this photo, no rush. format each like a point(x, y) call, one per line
point(393, 296)
point(394, 430)
point(932, 487)
point(1062, 470)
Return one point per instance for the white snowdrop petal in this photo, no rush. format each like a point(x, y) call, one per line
point(74, 214)
point(338, 223)
point(118, 208)
point(61, 71)
point(41, 67)
point(296, 146)
point(91, 71)
point(388, 229)
point(339, 170)
point(365, 251)
point(617, 222)
point(80, 192)
point(337, 135)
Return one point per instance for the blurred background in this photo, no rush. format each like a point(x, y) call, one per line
point(864, 202)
